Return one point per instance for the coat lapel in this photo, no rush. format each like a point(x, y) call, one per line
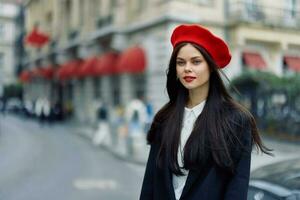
point(195, 175)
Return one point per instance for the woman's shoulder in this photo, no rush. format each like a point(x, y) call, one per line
point(154, 134)
point(239, 115)
point(241, 123)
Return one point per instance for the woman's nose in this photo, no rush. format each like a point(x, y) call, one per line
point(187, 67)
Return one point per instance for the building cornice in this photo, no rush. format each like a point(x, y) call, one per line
point(168, 18)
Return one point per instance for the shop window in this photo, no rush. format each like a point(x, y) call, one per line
point(115, 83)
point(97, 87)
point(139, 84)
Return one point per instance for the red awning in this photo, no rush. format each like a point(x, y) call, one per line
point(293, 62)
point(35, 72)
point(60, 72)
point(37, 38)
point(47, 72)
point(88, 67)
point(69, 70)
point(43, 72)
point(107, 64)
point(132, 60)
point(254, 60)
point(25, 76)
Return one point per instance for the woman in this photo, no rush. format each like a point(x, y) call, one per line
point(201, 140)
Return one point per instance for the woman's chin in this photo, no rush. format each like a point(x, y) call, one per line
point(188, 86)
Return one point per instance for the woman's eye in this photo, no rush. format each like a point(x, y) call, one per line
point(180, 63)
point(197, 62)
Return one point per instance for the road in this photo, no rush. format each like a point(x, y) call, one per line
point(50, 162)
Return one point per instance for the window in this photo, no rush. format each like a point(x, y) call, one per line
point(1, 30)
point(95, 8)
point(291, 8)
point(81, 12)
point(200, 1)
point(115, 83)
point(1, 67)
point(97, 87)
point(112, 6)
point(49, 18)
point(1, 61)
point(141, 5)
point(67, 14)
point(139, 84)
point(253, 10)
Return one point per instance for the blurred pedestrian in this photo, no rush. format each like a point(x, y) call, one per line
point(150, 114)
point(42, 109)
point(136, 116)
point(201, 140)
point(3, 105)
point(102, 134)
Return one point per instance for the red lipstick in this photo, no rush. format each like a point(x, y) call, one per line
point(189, 78)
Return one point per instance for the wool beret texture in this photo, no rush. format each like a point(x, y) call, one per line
point(201, 36)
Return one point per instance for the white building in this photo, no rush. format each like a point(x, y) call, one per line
point(8, 13)
point(262, 35)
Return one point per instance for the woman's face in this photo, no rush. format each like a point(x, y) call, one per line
point(192, 69)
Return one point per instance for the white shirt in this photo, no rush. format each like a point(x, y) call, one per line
point(189, 117)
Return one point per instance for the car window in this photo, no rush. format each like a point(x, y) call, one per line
point(257, 194)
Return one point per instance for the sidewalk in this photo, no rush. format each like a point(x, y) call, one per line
point(135, 150)
point(283, 150)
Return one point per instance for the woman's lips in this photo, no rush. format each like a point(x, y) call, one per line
point(189, 78)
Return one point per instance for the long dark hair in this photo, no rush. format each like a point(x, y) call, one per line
point(216, 130)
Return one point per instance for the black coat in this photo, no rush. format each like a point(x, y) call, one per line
point(209, 183)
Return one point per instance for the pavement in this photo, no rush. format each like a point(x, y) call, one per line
point(132, 149)
point(136, 151)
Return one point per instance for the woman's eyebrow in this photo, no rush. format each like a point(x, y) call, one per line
point(196, 57)
point(190, 58)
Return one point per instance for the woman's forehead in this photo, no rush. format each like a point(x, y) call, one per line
point(189, 51)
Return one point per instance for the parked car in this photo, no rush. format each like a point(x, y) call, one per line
point(278, 181)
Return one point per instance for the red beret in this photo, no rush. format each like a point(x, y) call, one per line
point(201, 36)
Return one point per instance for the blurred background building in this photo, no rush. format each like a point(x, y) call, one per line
point(78, 53)
point(8, 12)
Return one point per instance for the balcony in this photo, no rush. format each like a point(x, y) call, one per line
point(241, 11)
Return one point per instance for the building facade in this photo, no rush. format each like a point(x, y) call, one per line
point(113, 51)
point(8, 13)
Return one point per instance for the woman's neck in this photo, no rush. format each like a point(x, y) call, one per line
point(197, 96)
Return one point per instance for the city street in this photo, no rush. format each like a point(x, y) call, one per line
point(51, 163)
